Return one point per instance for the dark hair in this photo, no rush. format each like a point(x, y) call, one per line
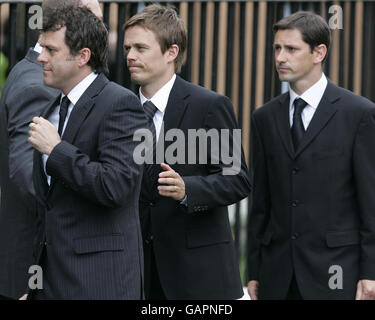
point(314, 29)
point(83, 30)
point(168, 27)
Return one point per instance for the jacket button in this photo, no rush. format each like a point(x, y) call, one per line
point(295, 236)
point(152, 204)
point(295, 203)
point(295, 170)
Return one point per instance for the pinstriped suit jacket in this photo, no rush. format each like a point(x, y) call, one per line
point(90, 234)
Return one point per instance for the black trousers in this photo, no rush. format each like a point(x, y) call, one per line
point(153, 288)
point(293, 292)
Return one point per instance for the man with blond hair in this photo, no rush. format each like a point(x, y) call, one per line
point(188, 244)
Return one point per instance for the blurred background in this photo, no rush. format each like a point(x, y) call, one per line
point(229, 51)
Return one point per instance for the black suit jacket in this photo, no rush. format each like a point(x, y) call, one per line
point(91, 234)
point(24, 96)
point(193, 246)
point(314, 207)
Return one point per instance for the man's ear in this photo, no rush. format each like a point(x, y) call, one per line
point(172, 52)
point(320, 53)
point(84, 56)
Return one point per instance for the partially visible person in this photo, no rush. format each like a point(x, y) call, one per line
point(24, 96)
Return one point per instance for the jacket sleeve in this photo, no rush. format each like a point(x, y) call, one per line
point(224, 183)
point(364, 173)
point(112, 178)
point(23, 106)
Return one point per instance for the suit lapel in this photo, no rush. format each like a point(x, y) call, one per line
point(176, 105)
point(80, 111)
point(83, 107)
point(324, 112)
point(50, 107)
point(38, 161)
point(283, 123)
point(40, 175)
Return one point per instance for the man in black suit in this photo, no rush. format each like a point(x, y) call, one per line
point(84, 171)
point(188, 244)
point(312, 225)
point(24, 96)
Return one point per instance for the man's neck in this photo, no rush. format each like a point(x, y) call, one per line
point(82, 75)
point(300, 86)
point(149, 90)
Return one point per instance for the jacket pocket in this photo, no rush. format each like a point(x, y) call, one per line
point(200, 237)
point(114, 242)
point(342, 238)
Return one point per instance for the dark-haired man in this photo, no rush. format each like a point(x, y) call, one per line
point(313, 217)
point(188, 244)
point(24, 96)
point(84, 172)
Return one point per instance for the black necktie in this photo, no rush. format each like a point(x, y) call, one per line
point(150, 110)
point(62, 113)
point(297, 128)
point(151, 169)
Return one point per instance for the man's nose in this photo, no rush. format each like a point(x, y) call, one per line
point(42, 57)
point(130, 56)
point(280, 56)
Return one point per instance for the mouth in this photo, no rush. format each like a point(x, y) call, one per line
point(133, 67)
point(283, 69)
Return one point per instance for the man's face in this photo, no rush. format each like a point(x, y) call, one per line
point(60, 68)
point(146, 63)
point(293, 57)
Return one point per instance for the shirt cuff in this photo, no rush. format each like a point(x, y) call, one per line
point(184, 201)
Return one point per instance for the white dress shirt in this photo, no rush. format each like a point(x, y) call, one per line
point(160, 100)
point(312, 97)
point(38, 48)
point(73, 96)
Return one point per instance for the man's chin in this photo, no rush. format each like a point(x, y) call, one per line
point(136, 79)
point(49, 83)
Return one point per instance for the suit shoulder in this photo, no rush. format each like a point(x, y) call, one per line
point(269, 107)
point(350, 100)
point(202, 92)
point(116, 90)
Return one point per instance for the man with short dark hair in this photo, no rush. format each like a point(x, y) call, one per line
point(24, 96)
point(84, 172)
point(188, 243)
point(312, 224)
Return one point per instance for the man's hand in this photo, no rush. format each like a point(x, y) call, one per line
point(365, 290)
point(24, 297)
point(252, 289)
point(175, 186)
point(43, 135)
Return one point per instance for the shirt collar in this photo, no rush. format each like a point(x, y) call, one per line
point(160, 98)
point(313, 95)
point(38, 48)
point(80, 88)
